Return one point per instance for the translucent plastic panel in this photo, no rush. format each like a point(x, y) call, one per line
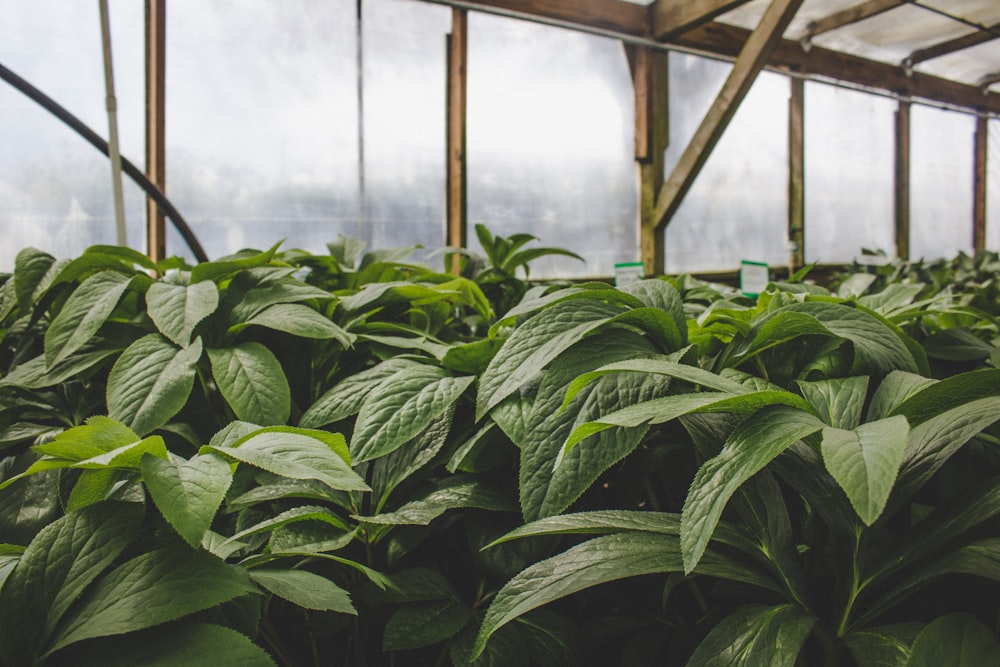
point(55, 189)
point(405, 67)
point(849, 166)
point(941, 164)
point(262, 130)
point(737, 207)
point(993, 185)
point(550, 142)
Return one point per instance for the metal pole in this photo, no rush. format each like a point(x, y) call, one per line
point(114, 152)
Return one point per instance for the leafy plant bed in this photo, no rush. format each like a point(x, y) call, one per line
point(287, 458)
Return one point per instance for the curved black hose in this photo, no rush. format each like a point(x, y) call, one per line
point(100, 144)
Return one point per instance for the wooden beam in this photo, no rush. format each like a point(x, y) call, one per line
point(156, 164)
point(727, 41)
point(456, 208)
point(650, 78)
point(902, 180)
point(751, 60)
point(670, 17)
point(979, 186)
point(952, 45)
point(852, 15)
point(618, 15)
point(796, 173)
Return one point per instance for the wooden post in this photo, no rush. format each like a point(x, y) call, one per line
point(455, 199)
point(156, 167)
point(979, 186)
point(650, 78)
point(796, 175)
point(902, 184)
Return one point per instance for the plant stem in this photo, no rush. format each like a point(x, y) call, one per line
point(855, 584)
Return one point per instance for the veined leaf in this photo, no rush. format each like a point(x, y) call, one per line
point(174, 644)
point(187, 493)
point(399, 409)
point(837, 401)
point(30, 267)
point(294, 515)
point(453, 493)
point(297, 455)
point(537, 342)
point(34, 374)
point(955, 640)
point(228, 265)
point(177, 309)
point(885, 646)
point(298, 320)
point(865, 462)
point(934, 398)
point(82, 315)
point(10, 555)
point(896, 388)
point(153, 588)
point(754, 444)
point(283, 289)
point(755, 635)
point(424, 624)
point(61, 561)
point(305, 589)
point(253, 382)
point(98, 435)
point(151, 382)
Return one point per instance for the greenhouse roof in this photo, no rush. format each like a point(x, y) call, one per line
point(942, 50)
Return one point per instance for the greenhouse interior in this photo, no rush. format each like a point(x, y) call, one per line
point(500, 332)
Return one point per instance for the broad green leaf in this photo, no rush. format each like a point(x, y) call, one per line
point(667, 408)
point(284, 289)
point(299, 320)
point(298, 456)
point(151, 382)
point(177, 309)
point(93, 486)
point(657, 293)
point(170, 646)
point(837, 401)
point(660, 366)
point(82, 315)
point(932, 442)
point(30, 267)
point(855, 284)
point(309, 536)
point(27, 504)
point(865, 462)
point(305, 589)
point(129, 256)
point(59, 564)
point(955, 640)
point(10, 555)
point(279, 488)
point(755, 635)
point(253, 382)
point(536, 343)
point(228, 265)
point(34, 374)
point(957, 344)
point(754, 444)
point(293, 515)
point(453, 493)
point(894, 390)
point(187, 493)
point(597, 561)
point(153, 588)
point(391, 470)
point(937, 397)
point(884, 646)
point(600, 560)
point(399, 409)
point(424, 624)
point(98, 435)
point(127, 456)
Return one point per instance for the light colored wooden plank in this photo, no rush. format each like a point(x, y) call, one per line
point(456, 208)
point(796, 173)
point(156, 165)
point(902, 181)
point(952, 45)
point(671, 17)
point(625, 17)
point(979, 185)
point(748, 64)
point(852, 15)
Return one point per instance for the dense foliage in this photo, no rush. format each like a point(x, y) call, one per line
point(287, 458)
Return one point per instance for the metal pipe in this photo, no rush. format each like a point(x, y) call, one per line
point(95, 140)
point(113, 150)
